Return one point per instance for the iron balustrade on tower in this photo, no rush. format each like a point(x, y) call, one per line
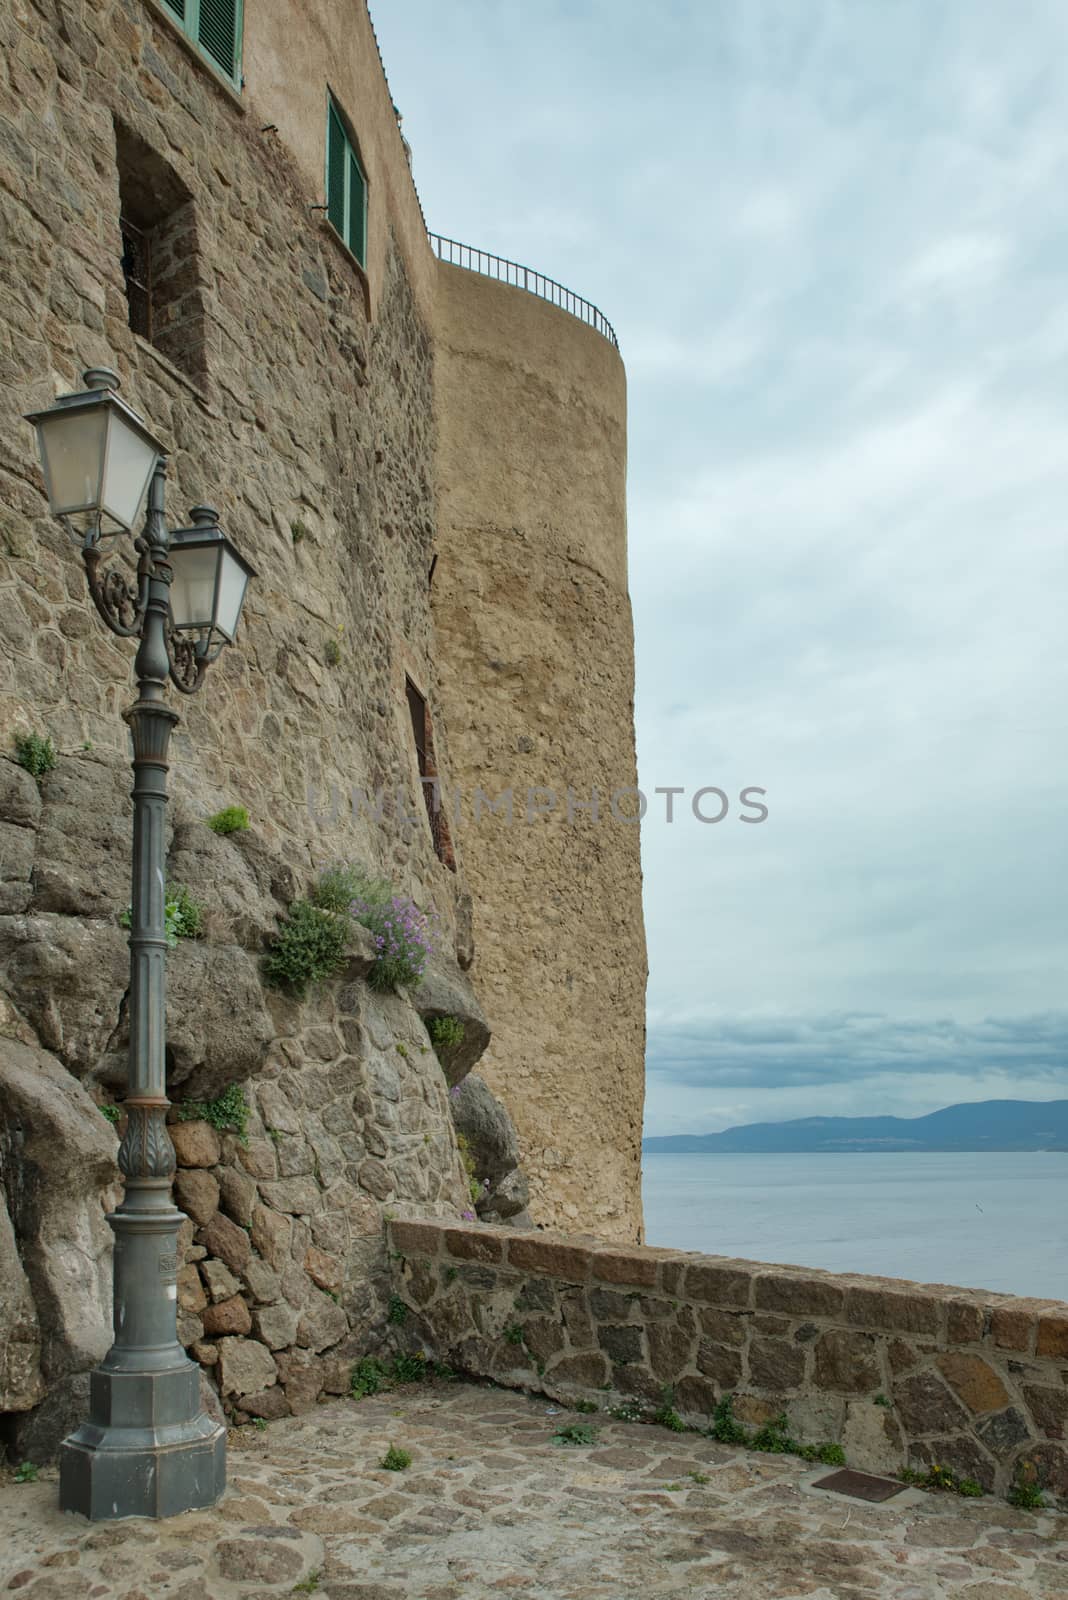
point(455, 254)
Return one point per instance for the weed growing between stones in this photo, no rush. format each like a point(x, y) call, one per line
point(725, 1426)
point(260, 1424)
point(474, 1186)
point(666, 1415)
point(298, 530)
point(183, 917)
point(587, 1406)
point(26, 1472)
point(1027, 1497)
point(395, 1460)
point(372, 1376)
point(309, 1584)
point(403, 939)
point(231, 819)
point(699, 1477)
point(445, 1034)
point(310, 945)
point(227, 1113)
point(575, 1433)
point(514, 1333)
point(398, 1311)
point(339, 886)
point(110, 1113)
point(35, 752)
point(944, 1480)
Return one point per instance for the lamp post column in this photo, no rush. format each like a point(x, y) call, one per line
point(147, 1449)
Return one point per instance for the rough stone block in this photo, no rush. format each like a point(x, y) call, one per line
point(1052, 1336)
point(1012, 1327)
point(272, 1233)
point(1005, 1433)
point(631, 1267)
point(774, 1364)
point(276, 1325)
point(621, 1345)
point(269, 1404)
point(724, 1327)
point(715, 1284)
point(1049, 1408)
point(723, 1366)
point(245, 1366)
point(237, 1194)
point(670, 1348)
point(847, 1362)
point(965, 1322)
point(228, 1316)
point(196, 1193)
point(191, 1296)
point(474, 1244)
point(904, 1309)
point(297, 1197)
point(588, 1369)
point(416, 1238)
point(926, 1406)
point(196, 1144)
point(324, 1270)
point(548, 1256)
point(224, 1239)
point(799, 1294)
point(974, 1382)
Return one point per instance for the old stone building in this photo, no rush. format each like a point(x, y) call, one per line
point(426, 467)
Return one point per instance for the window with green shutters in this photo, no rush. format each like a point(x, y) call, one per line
point(215, 27)
point(346, 186)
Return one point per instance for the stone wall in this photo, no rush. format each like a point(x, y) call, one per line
point(900, 1374)
point(311, 425)
point(537, 681)
point(313, 431)
point(284, 1279)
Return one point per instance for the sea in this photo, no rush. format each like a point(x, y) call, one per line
point(983, 1221)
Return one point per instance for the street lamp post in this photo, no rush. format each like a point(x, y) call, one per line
point(148, 1448)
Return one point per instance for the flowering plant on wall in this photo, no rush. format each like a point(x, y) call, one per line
point(403, 937)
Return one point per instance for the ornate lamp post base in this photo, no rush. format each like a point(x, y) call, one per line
point(109, 1471)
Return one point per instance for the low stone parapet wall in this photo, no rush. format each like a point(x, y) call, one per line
point(899, 1374)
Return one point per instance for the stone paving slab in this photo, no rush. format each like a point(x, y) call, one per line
point(492, 1506)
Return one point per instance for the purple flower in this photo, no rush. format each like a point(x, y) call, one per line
point(468, 1216)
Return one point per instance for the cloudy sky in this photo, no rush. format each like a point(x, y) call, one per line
point(833, 240)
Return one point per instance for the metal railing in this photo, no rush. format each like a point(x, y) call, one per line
point(465, 255)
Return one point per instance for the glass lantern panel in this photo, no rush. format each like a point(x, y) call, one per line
point(72, 455)
point(233, 581)
point(193, 586)
point(131, 461)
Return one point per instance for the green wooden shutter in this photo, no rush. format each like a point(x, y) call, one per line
point(335, 171)
point(178, 7)
point(217, 32)
point(357, 209)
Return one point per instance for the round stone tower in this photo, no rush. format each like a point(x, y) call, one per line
point(536, 665)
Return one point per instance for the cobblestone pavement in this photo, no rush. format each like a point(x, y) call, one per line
point(492, 1506)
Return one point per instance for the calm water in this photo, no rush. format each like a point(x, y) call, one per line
point(903, 1216)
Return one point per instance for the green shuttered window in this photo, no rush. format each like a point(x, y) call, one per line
point(215, 26)
point(346, 186)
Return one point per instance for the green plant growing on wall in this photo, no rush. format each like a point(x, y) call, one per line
point(298, 530)
point(445, 1034)
point(474, 1185)
point(183, 916)
point(227, 1113)
point(332, 649)
point(368, 1377)
point(1027, 1497)
point(26, 1472)
point(398, 1311)
point(110, 1113)
point(310, 945)
point(231, 819)
point(725, 1426)
point(666, 1415)
point(35, 752)
point(396, 1460)
point(337, 888)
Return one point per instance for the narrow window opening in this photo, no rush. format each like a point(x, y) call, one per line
point(346, 186)
point(423, 735)
point(160, 257)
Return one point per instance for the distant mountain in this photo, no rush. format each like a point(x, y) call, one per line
point(984, 1125)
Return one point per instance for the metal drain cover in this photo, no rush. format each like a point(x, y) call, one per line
point(860, 1485)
